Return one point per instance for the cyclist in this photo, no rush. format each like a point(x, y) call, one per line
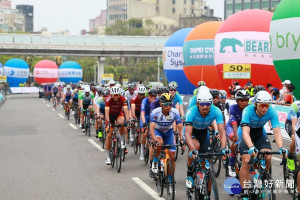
point(255, 91)
point(145, 117)
point(111, 83)
point(161, 130)
point(216, 95)
point(223, 97)
point(252, 135)
point(235, 116)
point(54, 92)
point(86, 101)
point(198, 120)
point(136, 103)
point(193, 100)
point(114, 106)
point(156, 103)
point(130, 92)
point(67, 97)
point(200, 83)
point(103, 96)
point(290, 127)
point(176, 97)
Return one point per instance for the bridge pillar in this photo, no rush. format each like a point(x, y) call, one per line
point(100, 68)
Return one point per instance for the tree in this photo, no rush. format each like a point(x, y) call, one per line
point(131, 27)
point(149, 25)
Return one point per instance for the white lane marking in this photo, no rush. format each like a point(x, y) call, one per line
point(61, 116)
point(48, 105)
point(274, 158)
point(95, 144)
point(74, 127)
point(44, 101)
point(146, 188)
point(53, 109)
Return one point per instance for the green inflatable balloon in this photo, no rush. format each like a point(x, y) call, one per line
point(285, 42)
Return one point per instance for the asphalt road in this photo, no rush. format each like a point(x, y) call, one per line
point(44, 156)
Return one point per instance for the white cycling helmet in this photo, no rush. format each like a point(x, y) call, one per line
point(296, 106)
point(118, 85)
point(68, 86)
point(203, 88)
point(87, 89)
point(263, 97)
point(204, 96)
point(115, 90)
point(141, 90)
point(122, 92)
point(111, 82)
point(222, 93)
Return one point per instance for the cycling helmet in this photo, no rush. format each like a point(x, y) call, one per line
point(92, 83)
point(295, 106)
point(204, 96)
point(173, 85)
point(258, 88)
point(130, 86)
point(106, 92)
point(152, 91)
point(160, 90)
point(166, 97)
point(115, 90)
point(87, 89)
point(214, 92)
point(222, 93)
point(242, 94)
point(118, 85)
point(201, 83)
point(111, 82)
point(122, 92)
point(77, 86)
point(93, 88)
point(165, 90)
point(68, 86)
point(100, 91)
point(141, 90)
point(149, 86)
point(80, 82)
point(263, 97)
point(203, 88)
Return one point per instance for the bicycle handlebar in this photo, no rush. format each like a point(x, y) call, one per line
point(262, 153)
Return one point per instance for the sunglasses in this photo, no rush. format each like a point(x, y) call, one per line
point(141, 94)
point(167, 104)
point(205, 104)
point(263, 105)
point(152, 95)
point(173, 90)
point(106, 96)
point(223, 97)
point(215, 97)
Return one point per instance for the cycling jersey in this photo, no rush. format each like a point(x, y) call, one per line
point(194, 118)
point(115, 107)
point(138, 103)
point(195, 92)
point(164, 123)
point(130, 96)
point(145, 107)
point(192, 101)
point(294, 113)
point(68, 95)
point(55, 90)
point(154, 104)
point(101, 103)
point(49, 88)
point(235, 117)
point(86, 100)
point(177, 99)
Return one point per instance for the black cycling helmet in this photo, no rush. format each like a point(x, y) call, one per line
point(201, 83)
point(166, 97)
point(160, 90)
point(130, 86)
point(152, 91)
point(242, 94)
point(106, 92)
point(92, 83)
point(214, 92)
point(100, 91)
point(77, 86)
point(258, 88)
point(93, 88)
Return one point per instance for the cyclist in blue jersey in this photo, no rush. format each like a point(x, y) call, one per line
point(200, 83)
point(145, 117)
point(252, 135)
point(198, 119)
point(235, 117)
point(67, 97)
point(54, 92)
point(161, 130)
point(103, 96)
point(290, 127)
point(176, 97)
point(156, 103)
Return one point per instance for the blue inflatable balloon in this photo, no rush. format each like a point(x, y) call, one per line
point(173, 61)
point(70, 71)
point(17, 71)
point(1, 69)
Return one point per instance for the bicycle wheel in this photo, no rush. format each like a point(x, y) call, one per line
point(216, 160)
point(88, 125)
point(177, 149)
point(112, 155)
point(146, 155)
point(214, 193)
point(103, 137)
point(118, 155)
point(170, 184)
point(85, 124)
point(75, 114)
point(136, 142)
point(267, 190)
point(160, 183)
point(287, 176)
point(228, 147)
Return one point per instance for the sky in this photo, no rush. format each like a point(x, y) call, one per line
point(74, 15)
point(56, 15)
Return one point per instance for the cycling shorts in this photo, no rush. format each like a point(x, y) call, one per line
point(67, 99)
point(75, 100)
point(229, 131)
point(167, 137)
point(102, 111)
point(54, 94)
point(203, 138)
point(113, 118)
point(147, 120)
point(261, 142)
point(288, 127)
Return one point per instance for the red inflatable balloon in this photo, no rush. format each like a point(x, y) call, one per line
point(45, 71)
point(198, 54)
point(243, 51)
